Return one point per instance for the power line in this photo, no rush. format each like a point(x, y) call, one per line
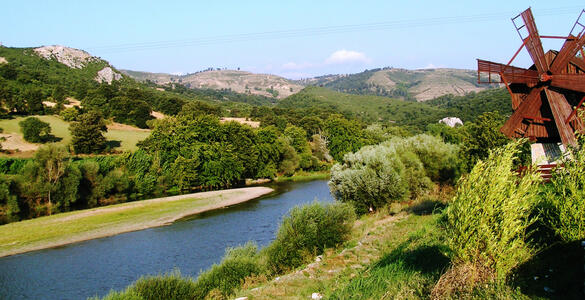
point(318, 31)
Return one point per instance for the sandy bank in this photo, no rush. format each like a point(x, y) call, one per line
point(72, 227)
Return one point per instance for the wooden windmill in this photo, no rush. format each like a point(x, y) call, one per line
point(546, 96)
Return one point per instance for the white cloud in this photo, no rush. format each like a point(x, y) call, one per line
point(296, 66)
point(433, 66)
point(347, 56)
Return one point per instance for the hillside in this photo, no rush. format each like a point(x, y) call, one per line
point(415, 85)
point(238, 81)
point(418, 114)
point(366, 107)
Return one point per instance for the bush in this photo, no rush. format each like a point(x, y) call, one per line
point(69, 114)
point(237, 264)
point(487, 222)
point(564, 199)
point(168, 286)
point(440, 159)
point(393, 171)
point(306, 232)
point(34, 130)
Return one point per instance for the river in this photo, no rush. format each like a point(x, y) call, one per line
point(191, 245)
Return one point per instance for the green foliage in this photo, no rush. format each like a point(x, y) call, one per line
point(169, 286)
point(482, 136)
point(441, 161)
point(393, 171)
point(564, 198)
point(370, 178)
point(69, 114)
point(87, 133)
point(469, 107)
point(237, 264)
point(290, 160)
point(306, 231)
point(344, 136)
point(487, 222)
point(451, 135)
point(34, 130)
point(408, 271)
point(52, 177)
point(298, 138)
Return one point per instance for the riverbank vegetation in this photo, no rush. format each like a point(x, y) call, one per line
point(500, 234)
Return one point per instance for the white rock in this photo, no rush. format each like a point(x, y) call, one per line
point(107, 75)
point(318, 258)
point(316, 296)
point(277, 279)
point(73, 58)
point(242, 298)
point(451, 121)
point(3, 60)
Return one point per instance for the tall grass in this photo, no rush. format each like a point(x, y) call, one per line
point(564, 198)
point(488, 219)
point(237, 264)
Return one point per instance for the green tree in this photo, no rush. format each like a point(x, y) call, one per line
point(49, 167)
point(87, 133)
point(34, 130)
point(482, 136)
point(33, 98)
point(58, 94)
point(344, 136)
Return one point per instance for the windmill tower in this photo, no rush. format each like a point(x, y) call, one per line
point(546, 96)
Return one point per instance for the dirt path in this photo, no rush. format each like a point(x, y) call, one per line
point(68, 228)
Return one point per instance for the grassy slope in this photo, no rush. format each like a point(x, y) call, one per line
point(127, 138)
point(403, 256)
point(81, 225)
point(355, 271)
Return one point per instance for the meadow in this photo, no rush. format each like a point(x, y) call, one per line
point(120, 137)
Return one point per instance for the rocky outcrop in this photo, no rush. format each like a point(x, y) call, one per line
point(451, 121)
point(3, 60)
point(73, 58)
point(107, 75)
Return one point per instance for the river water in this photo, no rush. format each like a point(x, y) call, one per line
point(95, 267)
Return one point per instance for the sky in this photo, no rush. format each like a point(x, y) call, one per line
point(294, 39)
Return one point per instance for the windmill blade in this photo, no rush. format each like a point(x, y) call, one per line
point(533, 42)
point(528, 107)
point(572, 82)
point(511, 73)
point(561, 110)
point(568, 51)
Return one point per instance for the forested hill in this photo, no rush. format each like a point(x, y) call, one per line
point(419, 115)
point(37, 81)
point(414, 85)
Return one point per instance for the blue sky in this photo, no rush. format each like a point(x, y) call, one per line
point(290, 38)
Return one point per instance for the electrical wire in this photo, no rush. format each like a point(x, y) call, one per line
point(317, 31)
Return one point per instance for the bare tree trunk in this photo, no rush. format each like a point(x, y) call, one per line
point(50, 205)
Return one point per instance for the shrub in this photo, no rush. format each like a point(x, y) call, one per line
point(393, 171)
point(168, 286)
point(369, 179)
point(69, 114)
point(306, 232)
point(487, 222)
point(440, 159)
point(34, 130)
point(564, 199)
point(237, 264)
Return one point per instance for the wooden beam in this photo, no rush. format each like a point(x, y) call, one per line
point(561, 110)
